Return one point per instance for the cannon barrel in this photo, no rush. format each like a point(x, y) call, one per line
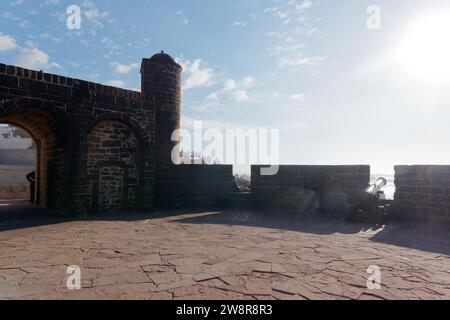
point(377, 186)
point(370, 205)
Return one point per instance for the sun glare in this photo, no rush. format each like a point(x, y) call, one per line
point(425, 51)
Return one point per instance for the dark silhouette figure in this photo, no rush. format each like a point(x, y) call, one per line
point(31, 177)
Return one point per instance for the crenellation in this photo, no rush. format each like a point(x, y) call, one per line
point(106, 149)
point(11, 70)
point(423, 188)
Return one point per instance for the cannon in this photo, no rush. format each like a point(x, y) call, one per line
point(371, 204)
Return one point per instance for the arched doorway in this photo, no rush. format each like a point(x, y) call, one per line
point(17, 161)
point(53, 145)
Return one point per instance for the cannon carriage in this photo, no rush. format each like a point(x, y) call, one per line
point(371, 204)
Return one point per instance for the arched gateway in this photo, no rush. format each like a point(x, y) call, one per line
point(99, 147)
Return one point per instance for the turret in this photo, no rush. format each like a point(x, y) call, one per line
point(161, 80)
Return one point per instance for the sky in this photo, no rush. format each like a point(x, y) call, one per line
point(340, 90)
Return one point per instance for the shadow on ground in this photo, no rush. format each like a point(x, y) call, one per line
point(317, 223)
point(430, 237)
point(15, 215)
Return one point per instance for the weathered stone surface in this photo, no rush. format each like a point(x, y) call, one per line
point(422, 192)
point(268, 259)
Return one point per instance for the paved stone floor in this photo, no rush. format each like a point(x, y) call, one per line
point(222, 255)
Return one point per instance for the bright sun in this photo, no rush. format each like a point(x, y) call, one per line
point(425, 51)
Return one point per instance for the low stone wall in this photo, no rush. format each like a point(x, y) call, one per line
point(195, 186)
point(14, 175)
point(330, 188)
point(422, 192)
point(15, 192)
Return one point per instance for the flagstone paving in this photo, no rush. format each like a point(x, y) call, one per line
point(224, 255)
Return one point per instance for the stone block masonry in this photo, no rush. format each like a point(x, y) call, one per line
point(422, 191)
point(14, 192)
point(75, 125)
point(196, 186)
point(331, 188)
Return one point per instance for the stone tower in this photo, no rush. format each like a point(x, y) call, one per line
point(161, 79)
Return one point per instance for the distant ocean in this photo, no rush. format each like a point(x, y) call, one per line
point(389, 190)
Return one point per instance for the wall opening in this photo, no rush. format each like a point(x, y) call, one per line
point(50, 137)
point(18, 160)
point(243, 178)
point(389, 189)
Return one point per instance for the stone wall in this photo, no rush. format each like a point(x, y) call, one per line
point(308, 188)
point(14, 191)
point(112, 167)
point(14, 166)
point(14, 174)
point(59, 113)
point(422, 191)
point(196, 186)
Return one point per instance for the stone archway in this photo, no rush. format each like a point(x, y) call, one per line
point(52, 136)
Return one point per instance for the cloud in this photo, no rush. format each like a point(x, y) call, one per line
point(298, 97)
point(197, 75)
point(140, 43)
point(248, 81)
point(235, 89)
point(122, 68)
point(22, 23)
point(239, 24)
point(115, 83)
point(276, 34)
point(184, 19)
point(229, 84)
point(111, 46)
point(300, 61)
point(290, 44)
point(307, 31)
point(60, 16)
point(277, 50)
point(33, 58)
point(211, 102)
point(214, 96)
point(188, 123)
point(16, 3)
point(306, 4)
point(7, 42)
point(232, 90)
point(240, 96)
point(48, 36)
point(93, 14)
point(276, 12)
